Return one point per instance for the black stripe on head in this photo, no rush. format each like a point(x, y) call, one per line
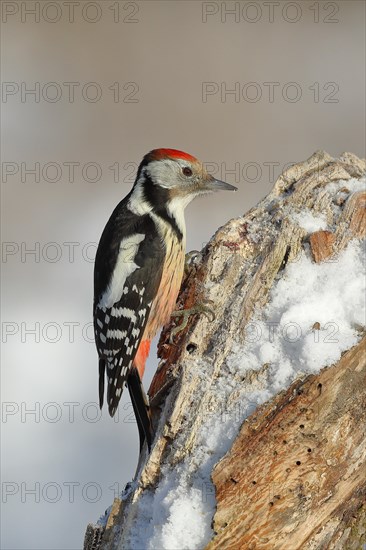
point(158, 198)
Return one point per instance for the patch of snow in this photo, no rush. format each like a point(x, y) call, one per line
point(308, 221)
point(314, 313)
point(330, 294)
point(353, 185)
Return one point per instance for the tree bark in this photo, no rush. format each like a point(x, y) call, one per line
point(295, 474)
point(303, 482)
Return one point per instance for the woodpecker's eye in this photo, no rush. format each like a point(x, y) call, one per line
point(187, 171)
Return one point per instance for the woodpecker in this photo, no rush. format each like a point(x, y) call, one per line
point(138, 271)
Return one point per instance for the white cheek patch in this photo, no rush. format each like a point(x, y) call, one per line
point(163, 172)
point(124, 267)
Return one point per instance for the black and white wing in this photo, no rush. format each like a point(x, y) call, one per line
point(127, 274)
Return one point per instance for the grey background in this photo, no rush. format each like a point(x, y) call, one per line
point(168, 51)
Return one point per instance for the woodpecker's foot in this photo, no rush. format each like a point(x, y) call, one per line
point(202, 307)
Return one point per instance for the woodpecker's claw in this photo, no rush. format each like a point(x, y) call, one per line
point(202, 307)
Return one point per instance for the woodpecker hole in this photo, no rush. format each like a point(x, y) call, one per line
point(309, 450)
point(302, 426)
point(284, 442)
point(254, 482)
point(298, 462)
point(191, 347)
point(271, 503)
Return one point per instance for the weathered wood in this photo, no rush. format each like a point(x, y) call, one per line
point(236, 271)
point(296, 463)
point(321, 243)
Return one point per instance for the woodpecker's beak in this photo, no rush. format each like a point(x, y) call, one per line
point(217, 185)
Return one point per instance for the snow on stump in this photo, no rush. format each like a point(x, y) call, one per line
point(260, 414)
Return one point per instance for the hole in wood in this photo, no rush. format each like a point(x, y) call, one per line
point(191, 347)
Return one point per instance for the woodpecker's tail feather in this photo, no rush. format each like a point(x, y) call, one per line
point(139, 400)
point(141, 407)
point(101, 382)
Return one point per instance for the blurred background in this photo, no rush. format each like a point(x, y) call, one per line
point(87, 89)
